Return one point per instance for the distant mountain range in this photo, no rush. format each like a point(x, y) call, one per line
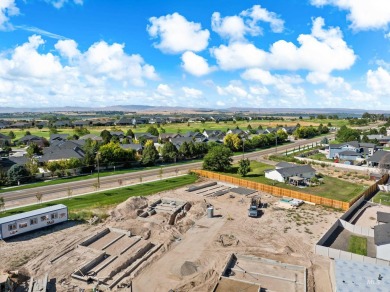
point(147, 108)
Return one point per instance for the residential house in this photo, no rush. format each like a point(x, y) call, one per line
point(382, 241)
point(180, 140)
point(136, 147)
point(297, 173)
point(81, 123)
point(58, 137)
point(165, 137)
point(171, 120)
point(62, 150)
point(156, 120)
point(383, 140)
point(5, 140)
point(5, 124)
point(380, 159)
point(119, 134)
point(124, 122)
point(93, 137)
point(140, 121)
point(62, 124)
point(363, 150)
point(146, 136)
point(239, 132)
point(21, 125)
point(211, 133)
point(41, 124)
point(106, 123)
point(29, 139)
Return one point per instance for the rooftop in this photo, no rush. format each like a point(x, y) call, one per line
point(31, 213)
point(383, 217)
point(357, 276)
point(382, 234)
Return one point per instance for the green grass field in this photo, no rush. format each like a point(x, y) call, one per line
point(332, 188)
point(84, 207)
point(169, 128)
point(357, 245)
point(382, 198)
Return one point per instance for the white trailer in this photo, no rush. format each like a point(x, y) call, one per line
point(32, 220)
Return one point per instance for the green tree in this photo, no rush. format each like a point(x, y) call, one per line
point(244, 167)
point(383, 131)
point(11, 134)
point(53, 130)
point(27, 133)
point(184, 150)
point(106, 136)
point(126, 141)
point(153, 131)
point(2, 204)
point(233, 141)
point(81, 131)
point(219, 158)
point(112, 153)
point(33, 149)
point(17, 173)
point(52, 166)
point(32, 166)
point(149, 154)
point(169, 152)
point(130, 133)
point(282, 135)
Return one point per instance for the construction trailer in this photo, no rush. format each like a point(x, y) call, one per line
point(33, 220)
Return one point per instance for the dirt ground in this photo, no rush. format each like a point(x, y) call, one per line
point(194, 250)
point(368, 217)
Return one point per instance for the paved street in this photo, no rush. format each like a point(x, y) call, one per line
point(28, 196)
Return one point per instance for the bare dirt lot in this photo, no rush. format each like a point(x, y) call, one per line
point(194, 250)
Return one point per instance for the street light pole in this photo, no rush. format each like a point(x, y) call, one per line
point(243, 149)
point(276, 143)
point(98, 167)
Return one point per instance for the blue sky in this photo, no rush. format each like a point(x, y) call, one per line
point(270, 53)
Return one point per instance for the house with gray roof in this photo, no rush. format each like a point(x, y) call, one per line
point(58, 137)
point(146, 136)
point(299, 172)
point(62, 150)
point(382, 217)
point(380, 159)
point(29, 139)
point(93, 137)
point(344, 150)
point(180, 140)
point(136, 147)
point(5, 140)
point(382, 241)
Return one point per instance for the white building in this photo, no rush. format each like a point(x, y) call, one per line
point(382, 241)
point(28, 221)
point(290, 170)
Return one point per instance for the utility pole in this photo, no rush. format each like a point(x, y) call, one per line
point(98, 167)
point(276, 143)
point(243, 149)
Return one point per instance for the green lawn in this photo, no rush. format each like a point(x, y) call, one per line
point(382, 198)
point(83, 207)
point(103, 173)
point(320, 157)
point(169, 128)
point(332, 188)
point(357, 245)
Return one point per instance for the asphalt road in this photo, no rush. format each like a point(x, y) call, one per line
point(21, 197)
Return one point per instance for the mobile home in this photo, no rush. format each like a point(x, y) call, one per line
point(28, 221)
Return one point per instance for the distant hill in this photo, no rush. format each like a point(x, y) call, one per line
point(146, 108)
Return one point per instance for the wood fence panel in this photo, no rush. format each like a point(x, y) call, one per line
point(281, 192)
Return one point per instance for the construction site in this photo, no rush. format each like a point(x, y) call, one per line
point(199, 238)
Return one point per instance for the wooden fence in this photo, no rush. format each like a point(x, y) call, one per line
point(281, 192)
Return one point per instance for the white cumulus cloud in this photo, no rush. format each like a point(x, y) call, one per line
point(195, 64)
point(7, 9)
point(235, 27)
point(379, 81)
point(67, 48)
point(324, 50)
point(192, 92)
point(232, 90)
point(176, 34)
point(165, 90)
point(60, 3)
point(363, 14)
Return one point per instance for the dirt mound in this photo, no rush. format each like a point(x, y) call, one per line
point(188, 268)
point(130, 208)
point(200, 282)
point(227, 240)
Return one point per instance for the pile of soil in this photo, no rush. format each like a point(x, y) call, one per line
point(188, 268)
point(129, 209)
